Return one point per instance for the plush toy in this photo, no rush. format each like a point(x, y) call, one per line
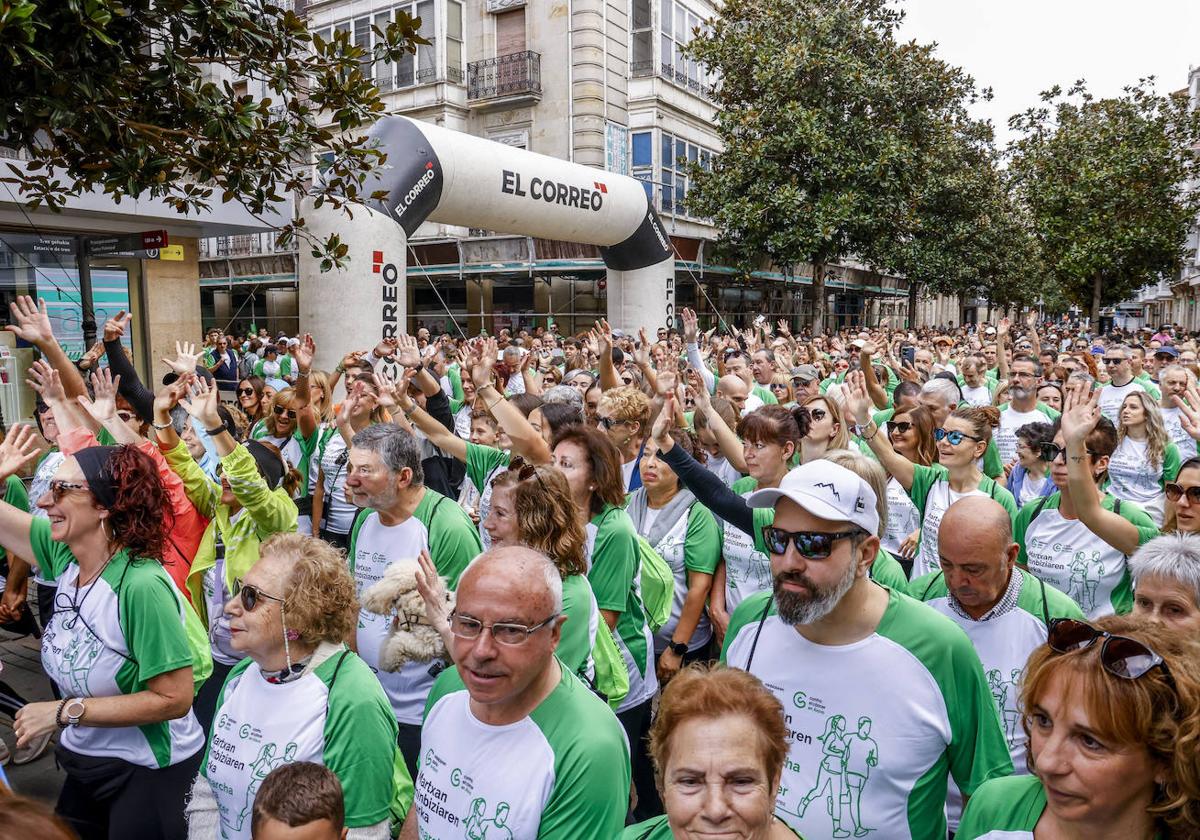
point(411, 638)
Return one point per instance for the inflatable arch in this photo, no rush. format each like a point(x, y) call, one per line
point(446, 176)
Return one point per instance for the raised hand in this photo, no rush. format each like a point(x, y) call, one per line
point(433, 592)
point(114, 327)
point(386, 348)
point(44, 380)
point(1189, 408)
point(696, 381)
point(19, 448)
point(168, 396)
point(388, 389)
point(858, 401)
point(352, 358)
point(31, 322)
point(660, 433)
point(408, 352)
point(691, 325)
point(641, 353)
point(483, 365)
point(203, 404)
point(104, 406)
point(604, 337)
point(304, 353)
point(348, 408)
point(1003, 329)
point(185, 359)
point(1081, 414)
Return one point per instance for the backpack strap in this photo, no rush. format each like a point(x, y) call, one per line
point(356, 524)
point(762, 619)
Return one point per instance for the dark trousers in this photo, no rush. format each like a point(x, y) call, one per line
point(205, 704)
point(109, 798)
point(636, 722)
point(10, 701)
point(335, 539)
point(409, 741)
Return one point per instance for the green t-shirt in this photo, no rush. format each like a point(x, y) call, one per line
point(693, 544)
point(561, 772)
point(614, 572)
point(335, 715)
point(764, 394)
point(579, 632)
point(1068, 556)
point(110, 639)
point(15, 495)
point(484, 463)
point(865, 761)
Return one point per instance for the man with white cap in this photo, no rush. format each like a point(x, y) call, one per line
point(884, 698)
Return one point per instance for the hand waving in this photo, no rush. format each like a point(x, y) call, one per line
point(18, 449)
point(44, 380)
point(104, 406)
point(185, 359)
point(31, 321)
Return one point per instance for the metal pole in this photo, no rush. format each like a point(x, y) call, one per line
point(87, 305)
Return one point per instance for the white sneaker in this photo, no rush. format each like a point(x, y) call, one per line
point(5, 755)
point(33, 750)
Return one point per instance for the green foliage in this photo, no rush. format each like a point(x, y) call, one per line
point(120, 95)
point(829, 125)
point(1105, 182)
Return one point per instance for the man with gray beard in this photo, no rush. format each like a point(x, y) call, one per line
point(1023, 382)
point(884, 697)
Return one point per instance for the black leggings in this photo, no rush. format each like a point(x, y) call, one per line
point(636, 722)
point(130, 802)
point(409, 741)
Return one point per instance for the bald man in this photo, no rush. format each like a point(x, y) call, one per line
point(1004, 610)
point(511, 738)
point(735, 390)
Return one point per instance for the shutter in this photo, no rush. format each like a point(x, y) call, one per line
point(510, 32)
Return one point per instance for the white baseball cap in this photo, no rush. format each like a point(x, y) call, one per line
point(827, 490)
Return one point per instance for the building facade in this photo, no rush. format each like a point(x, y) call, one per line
point(603, 83)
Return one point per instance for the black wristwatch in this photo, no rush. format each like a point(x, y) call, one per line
point(678, 648)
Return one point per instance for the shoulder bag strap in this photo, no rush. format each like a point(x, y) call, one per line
point(762, 619)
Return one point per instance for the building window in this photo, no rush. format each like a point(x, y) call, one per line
point(454, 41)
point(642, 35)
point(409, 70)
point(643, 160)
point(677, 155)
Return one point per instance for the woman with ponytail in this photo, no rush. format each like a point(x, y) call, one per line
point(962, 440)
point(118, 645)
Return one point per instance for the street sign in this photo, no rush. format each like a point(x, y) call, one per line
point(171, 253)
point(103, 245)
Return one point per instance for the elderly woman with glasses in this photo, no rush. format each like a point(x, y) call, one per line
point(251, 502)
point(299, 694)
point(122, 645)
point(1112, 716)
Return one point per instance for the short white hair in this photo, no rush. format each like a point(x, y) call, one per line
point(947, 391)
point(1171, 557)
point(522, 555)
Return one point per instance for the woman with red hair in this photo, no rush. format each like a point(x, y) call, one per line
point(122, 645)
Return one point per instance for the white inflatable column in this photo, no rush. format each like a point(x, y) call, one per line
point(352, 309)
point(642, 297)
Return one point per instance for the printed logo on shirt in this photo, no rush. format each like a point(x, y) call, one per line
point(847, 756)
point(1004, 692)
point(1086, 572)
point(481, 827)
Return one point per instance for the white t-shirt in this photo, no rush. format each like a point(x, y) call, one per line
point(719, 466)
point(1132, 478)
point(747, 570)
point(339, 513)
point(1184, 442)
point(936, 504)
point(977, 396)
point(1006, 434)
point(903, 517)
point(1112, 396)
point(1031, 488)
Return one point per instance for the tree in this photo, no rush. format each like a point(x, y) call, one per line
point(827, 123)
point(1105, 182)
point(119, 95)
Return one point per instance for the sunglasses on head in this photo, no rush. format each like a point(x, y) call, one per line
point(955, 437)
point(59, 488)
point(899, 428)
point(280, 411)
point(812, 545)
point(1175, 492)
point(1120, 656)
point(251, 595)
point(524, 471)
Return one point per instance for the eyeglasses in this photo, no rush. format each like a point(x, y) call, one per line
point(245, 392)
point(465, 627)
point(250, 595)
point(280, 411)
point(124, 416)
point(1108, 361)
point(1120, 656)
point(817, 413)
point(899, 428)
point(1051, 452)
point(955, 437)
point(812, 545)
point(779, 386)
point(608, 422)
point(59, 488)
point(1176, 492)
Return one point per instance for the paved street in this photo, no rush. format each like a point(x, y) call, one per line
point(23, 671)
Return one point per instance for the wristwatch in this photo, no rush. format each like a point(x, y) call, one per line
point(74, 711)
point(678, 648)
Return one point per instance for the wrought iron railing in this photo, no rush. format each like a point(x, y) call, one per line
point(505, 75)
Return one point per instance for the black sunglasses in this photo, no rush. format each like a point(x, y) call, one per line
point(1051, 452)
point(245, 391)
point(812, 545)
point(899, 428)
point(1120, 656)
point(1175, 492)
point(524, 471)
point(59, 488)
point(250, 595)
point(817, 413)
point(280, 411)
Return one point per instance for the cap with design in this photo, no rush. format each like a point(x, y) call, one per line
point(827, 490)
point(806, 372)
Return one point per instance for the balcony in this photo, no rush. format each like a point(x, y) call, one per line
point(505, 81)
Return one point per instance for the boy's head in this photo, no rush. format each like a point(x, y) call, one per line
point(300, 801)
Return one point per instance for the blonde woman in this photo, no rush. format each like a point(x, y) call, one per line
point(781, 387)
point(826, 429)
point(1145, 458)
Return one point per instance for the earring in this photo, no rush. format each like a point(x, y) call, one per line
point(293, 635)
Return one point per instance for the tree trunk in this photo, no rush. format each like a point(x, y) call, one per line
point(1094, 311)
point(820, 302)
point(913, 295)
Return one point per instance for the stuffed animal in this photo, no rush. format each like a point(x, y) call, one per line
point(411, 638)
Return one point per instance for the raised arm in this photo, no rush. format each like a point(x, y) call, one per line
point(608, 371)
point(859, 405)
point(103, 408)
point(1002, 342)
point(47, 383)
point(727, 439)
point(875, 390)
point(526, 440)
point(31, 322)
point(132, 389)
point(18, 449)
point(306, 419)
point(1081, 413)
point(439, 435)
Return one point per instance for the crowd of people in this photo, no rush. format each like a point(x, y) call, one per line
point(744, 583)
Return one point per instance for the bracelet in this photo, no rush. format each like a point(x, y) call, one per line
point(62, 704)
point(162, 427)
point(340, 368)
point(496, 403)
point(216, 431)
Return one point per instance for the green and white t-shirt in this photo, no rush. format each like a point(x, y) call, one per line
point(561, 772)
point(1068, 556)
point(579, 632)
point(658, 828)
point(1004, 809)
point(1133, 478)
point(863, 761)
point(614, 571)
point(931, 494)
point(335, 715)
point(439, 526)
point(1004, 643)
point(332, 456)
point(747, 564)
point(1184, 442)
point(484, 463)
point(692, 545)
point(111, 638)
point(1111, 397)
point(15, 495)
